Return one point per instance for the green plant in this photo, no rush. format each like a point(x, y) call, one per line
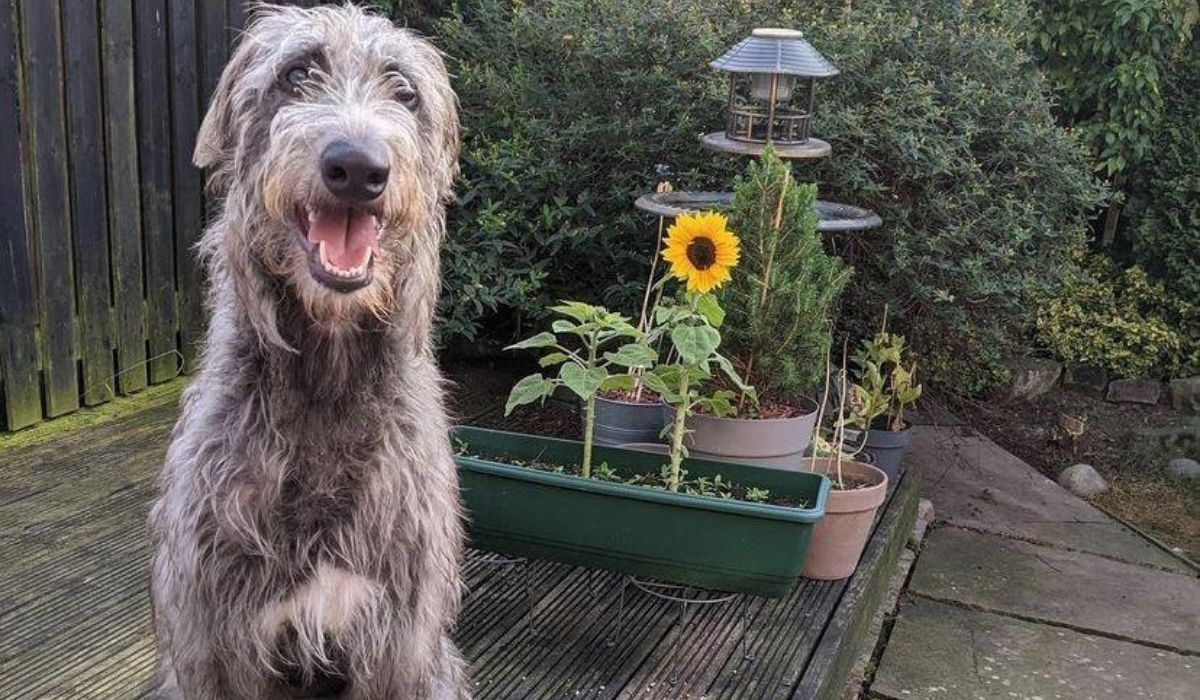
point(1120, 320)
point(939, 122)
point(779, 305)
point(1107, 60)
point(690, 324)
point(884, 386)
point(1164, 209)
point(583, 369)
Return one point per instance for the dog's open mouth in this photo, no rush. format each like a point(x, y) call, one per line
point(341, 242)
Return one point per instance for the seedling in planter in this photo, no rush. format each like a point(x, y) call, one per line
point(577, 345)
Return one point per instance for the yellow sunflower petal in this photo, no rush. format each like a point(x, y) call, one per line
point(701, 250)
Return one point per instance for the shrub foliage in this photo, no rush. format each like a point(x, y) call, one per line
point(938, 121)
point(778, 303)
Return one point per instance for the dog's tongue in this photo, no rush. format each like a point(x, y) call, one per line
point(348, 235)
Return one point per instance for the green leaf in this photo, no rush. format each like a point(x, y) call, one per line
point(553, 359)
point(619, 382)
point(584, 382)
point(695, 344)
point(535, 387)
point(577, 310)
point(541, 340)
point(711, 310)
point(632, 355)
point(563, 326)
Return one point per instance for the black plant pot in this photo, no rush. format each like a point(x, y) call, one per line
point(887, 448)
point(623, 422)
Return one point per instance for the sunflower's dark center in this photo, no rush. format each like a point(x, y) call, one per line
point(702, 253)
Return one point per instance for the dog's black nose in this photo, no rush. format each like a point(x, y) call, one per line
point(354, 172)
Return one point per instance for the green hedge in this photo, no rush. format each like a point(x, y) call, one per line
point(938, 121)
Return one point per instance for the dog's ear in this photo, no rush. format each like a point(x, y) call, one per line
point(214, 141)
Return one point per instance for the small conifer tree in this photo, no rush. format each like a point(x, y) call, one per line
point(778, 306)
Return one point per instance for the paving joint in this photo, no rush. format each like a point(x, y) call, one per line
point(1077, 550)
point(975, 607)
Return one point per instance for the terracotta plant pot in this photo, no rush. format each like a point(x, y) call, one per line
point(619, 422)
point(839, 539)
point(778, 443)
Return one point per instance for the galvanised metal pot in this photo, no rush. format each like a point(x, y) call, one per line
point(620, 422)
point(702, 541)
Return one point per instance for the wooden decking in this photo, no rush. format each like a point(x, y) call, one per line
point(74, 603)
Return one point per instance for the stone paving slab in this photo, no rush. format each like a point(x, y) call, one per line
point(1080, 590)
point(943, 652)
point(976, 484)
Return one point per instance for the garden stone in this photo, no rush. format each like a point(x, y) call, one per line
point(1092, 379)
point(1185, 394)
point(1032, 377)
point(1082, 480)
point(1184, 468)
point(1134, 391)
point(925, 517)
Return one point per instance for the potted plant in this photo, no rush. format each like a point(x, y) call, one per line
point(635, 414)
point(858, 490)
point(885, 387)
point(717, 525)
point(778, 319)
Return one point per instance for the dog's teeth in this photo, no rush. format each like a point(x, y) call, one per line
point(312, 215)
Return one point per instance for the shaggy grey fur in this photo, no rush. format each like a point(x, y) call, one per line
point(308, 533)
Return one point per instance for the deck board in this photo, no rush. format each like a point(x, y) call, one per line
point(74, 598)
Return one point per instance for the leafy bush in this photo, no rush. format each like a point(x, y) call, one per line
point(1107, 58)
point(1165, 209)
point(938, 121)
point(779, 301)
point(1121, 321)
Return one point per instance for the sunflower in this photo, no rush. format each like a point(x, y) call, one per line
point(701, 251)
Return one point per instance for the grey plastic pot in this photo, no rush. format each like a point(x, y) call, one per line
point(769, 442)
point(621, 422)
point(887, 448)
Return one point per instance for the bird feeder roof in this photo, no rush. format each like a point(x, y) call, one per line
point(781, 51)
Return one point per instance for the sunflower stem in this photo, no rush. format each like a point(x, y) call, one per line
point(678, 430)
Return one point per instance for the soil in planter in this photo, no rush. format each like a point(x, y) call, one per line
point(703, 486)
point(767, 410)
point(647, 397)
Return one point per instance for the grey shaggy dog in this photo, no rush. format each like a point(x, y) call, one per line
point(308, 533)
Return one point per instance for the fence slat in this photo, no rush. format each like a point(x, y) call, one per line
point(18, 349)
point(236, 18)
point(124, 204)
point(48, 162)
point(188, 207)
point(214, 47)
point(152, 81)
point(89, 225)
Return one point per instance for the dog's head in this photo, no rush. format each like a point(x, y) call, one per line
point(333, 139)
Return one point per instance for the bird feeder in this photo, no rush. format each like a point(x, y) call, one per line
point(772, 81)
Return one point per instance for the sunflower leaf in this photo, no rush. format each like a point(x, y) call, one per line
point(711, 310)
point(541, 340)
point(584, 382)
point(695, 343)
point(535, 387)
point(632, 355)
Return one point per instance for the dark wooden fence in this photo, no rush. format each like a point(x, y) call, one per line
point(100, 205)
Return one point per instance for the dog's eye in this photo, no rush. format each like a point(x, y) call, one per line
point(407, 96)
point(296, 77)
